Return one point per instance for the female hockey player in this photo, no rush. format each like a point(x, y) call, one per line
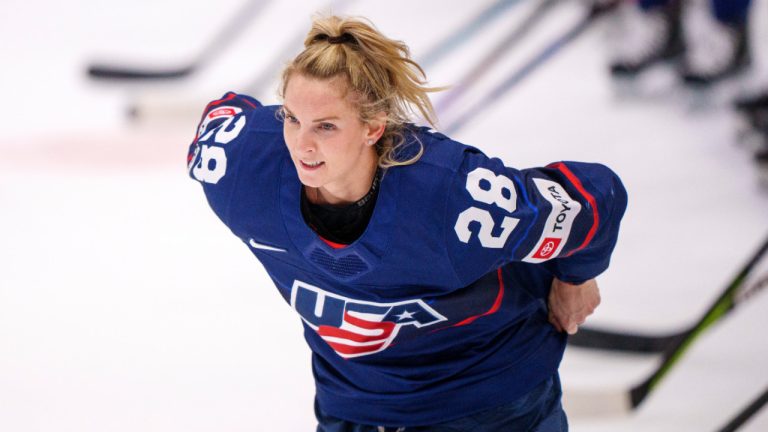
point(436, 285)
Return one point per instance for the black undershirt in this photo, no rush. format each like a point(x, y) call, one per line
point(341, 224)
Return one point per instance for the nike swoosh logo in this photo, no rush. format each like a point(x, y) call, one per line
point(264, 247)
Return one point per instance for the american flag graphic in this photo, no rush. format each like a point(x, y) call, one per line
point(359, 334)
point(356, 328)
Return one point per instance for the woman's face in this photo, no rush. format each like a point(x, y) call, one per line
point(332, 149)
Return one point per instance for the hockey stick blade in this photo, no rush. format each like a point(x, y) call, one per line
point(600, 338)
point(604, 339)
point(613, 402)
point(221, 39)
point(111, 72)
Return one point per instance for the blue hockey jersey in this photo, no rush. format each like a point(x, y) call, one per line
point(438, 310)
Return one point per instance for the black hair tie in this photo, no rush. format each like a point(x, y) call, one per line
point(343, 38)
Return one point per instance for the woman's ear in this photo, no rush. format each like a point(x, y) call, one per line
point(376, 127)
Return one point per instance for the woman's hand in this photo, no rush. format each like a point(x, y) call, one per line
point(570, 305)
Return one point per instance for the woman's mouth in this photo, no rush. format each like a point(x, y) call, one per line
point(311, 165)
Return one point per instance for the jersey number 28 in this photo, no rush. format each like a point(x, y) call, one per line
point(210, 161)
point(492, 195)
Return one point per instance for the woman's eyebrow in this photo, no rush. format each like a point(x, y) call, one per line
point(322, 119)
point(326, 118)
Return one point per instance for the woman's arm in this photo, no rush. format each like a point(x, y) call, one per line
point(564, 216)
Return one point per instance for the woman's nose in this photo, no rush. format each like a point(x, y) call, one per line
point(304, 142)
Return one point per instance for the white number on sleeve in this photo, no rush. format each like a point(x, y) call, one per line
point(493, 195)
point(224, 136)
point(474, 214)
point(209, 164)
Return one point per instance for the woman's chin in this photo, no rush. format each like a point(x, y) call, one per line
point(309, 180)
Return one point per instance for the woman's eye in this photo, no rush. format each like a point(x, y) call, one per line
point(327, 126)
point(289, 117)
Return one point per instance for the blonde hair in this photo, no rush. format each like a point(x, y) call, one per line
point(377, 69)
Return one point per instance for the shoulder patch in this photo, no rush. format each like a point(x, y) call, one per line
point(222, 112)
point(557, 228)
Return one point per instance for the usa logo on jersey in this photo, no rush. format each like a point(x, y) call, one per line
point(356, 328)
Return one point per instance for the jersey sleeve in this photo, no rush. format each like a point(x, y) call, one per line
point(213, 155)
point(565, 216)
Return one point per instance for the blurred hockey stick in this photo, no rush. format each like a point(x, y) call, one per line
point(221, 39)
point(747, 413)
point(604, 339)
point(600, 338)
point(597, 11)
point(461, 36)
point(485, 64)
point(617, 401)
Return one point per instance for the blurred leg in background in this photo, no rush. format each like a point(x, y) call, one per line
point(718, 46)
point(652, 34)
point(706, 45)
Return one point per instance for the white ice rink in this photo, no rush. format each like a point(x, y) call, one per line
point(125, 305)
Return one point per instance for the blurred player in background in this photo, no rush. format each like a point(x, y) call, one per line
point(655, 31)
point(436, 285)
point(705, 49)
